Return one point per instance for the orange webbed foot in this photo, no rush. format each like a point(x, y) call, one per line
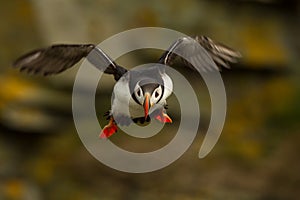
point(109, 129)
point(164, 118)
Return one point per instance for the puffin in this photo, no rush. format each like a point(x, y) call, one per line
point(139, 95)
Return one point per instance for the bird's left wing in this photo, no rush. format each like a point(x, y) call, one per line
point(201, 53)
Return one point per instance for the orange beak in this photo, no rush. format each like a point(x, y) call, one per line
point(146, 104)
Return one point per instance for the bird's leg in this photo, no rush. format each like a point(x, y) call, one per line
point(109, 129)
point(163, 117)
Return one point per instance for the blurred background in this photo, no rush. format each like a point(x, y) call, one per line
point(257, 155)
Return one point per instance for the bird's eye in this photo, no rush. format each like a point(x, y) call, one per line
point(156, 94)
point(138, 92)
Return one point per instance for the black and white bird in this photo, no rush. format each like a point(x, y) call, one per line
point(143, 92)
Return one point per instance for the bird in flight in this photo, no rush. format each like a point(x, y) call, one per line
point(142, 91)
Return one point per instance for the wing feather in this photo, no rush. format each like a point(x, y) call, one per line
point(53, 59)
point(58, 58)
point(201, 53)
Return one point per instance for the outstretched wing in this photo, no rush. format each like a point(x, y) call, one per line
point(58, 58)
point(201, 53)
point(53, 59)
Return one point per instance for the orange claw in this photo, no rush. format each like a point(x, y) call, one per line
point(109, 129)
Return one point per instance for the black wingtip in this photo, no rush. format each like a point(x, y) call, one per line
point(221, 54)
point(26, 58)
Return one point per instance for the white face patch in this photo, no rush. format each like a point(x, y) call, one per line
point(138, 93)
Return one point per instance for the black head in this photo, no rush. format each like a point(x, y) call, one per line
point(146, 87)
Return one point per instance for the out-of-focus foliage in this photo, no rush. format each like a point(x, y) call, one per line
point(41, 156)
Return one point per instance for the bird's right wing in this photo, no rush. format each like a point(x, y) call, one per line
point(58, 58)
point(103, 62)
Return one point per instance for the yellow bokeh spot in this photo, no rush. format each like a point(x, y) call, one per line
point(14, 189)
